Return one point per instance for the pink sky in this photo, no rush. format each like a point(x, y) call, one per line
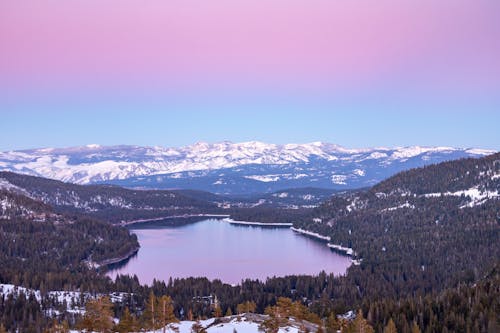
point(446, 45)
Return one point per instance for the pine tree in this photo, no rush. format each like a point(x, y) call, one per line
point(166, 312)
point(415, 328)
point(150, 315)
point(493, 323)
point(360, 325)
point(332, 325)
point(246, 307)
point(98, 315)
point(217, 311)
point(391, 327)
point(127, 323)
point(229, 312)
point(56, 327)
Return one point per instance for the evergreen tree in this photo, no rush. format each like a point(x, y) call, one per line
point(151, 313)
point(217, 311)
point(493, 323)
point(56, 327)
point(390, 327)
point(415, 328)
point(98, 315)
point(359, 325)
point(246, 307)
point(166, 312)
point(128, 322)
point(332, 325)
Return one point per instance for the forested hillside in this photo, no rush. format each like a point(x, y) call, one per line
point(39, 247)
point(110, 203)
point(427, 257)
point(483, 173)
point(413, 233)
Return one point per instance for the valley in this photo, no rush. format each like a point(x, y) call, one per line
point(416, 239)
point(231, 253)
point(235, 166)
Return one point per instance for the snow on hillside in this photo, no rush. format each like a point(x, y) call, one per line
point(296, 164)
point(264, 178)
point(474, 195)
point(245, 323)
point(74, 300)
point(240, 324)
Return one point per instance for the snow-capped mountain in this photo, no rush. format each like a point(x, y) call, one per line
point(227, 167)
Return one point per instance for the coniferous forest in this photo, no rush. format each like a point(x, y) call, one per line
point(427, 260)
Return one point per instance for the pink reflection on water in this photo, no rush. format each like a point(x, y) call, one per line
point(219, 250)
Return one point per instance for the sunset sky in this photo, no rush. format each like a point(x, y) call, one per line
point(175, 72)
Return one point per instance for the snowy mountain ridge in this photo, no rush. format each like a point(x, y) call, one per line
point(221, 167)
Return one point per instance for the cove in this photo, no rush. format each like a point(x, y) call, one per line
point(219, 250)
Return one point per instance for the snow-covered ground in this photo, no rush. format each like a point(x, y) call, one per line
point(241, 326)
point(476, 196)
point(402, 206)
point(74, 300)
point(264, 178)
point(271, 224)
point(246, 323)
point(346, 250)
point(310, 233)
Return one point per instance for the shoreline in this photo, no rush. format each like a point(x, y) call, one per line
point(342, 250)
point(262, 224)
point(116, 260)
point(311, 234)
point(345, 251)
point(125, 223)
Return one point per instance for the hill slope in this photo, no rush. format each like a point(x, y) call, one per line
point(111, 203)
point(37, 243)
point(421, 230)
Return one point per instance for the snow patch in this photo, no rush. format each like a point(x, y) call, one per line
point(308, 197)
point(409, 152)
point(340, 248)
point(311, 233)
point(476, 197)
point(246, 323)
point(339, 179)
point(482, 152)
point(405, 205)
point(359, 172)
point(264, 178)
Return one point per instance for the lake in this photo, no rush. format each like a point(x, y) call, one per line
point(220, 250)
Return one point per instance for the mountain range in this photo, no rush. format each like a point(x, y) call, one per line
point(423, 239)
point(227, 168)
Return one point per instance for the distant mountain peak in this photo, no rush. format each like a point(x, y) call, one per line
point(226, 166)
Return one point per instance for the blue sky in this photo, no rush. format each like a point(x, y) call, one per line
point(183, 126)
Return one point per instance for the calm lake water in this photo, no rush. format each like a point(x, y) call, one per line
point(220, 250)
